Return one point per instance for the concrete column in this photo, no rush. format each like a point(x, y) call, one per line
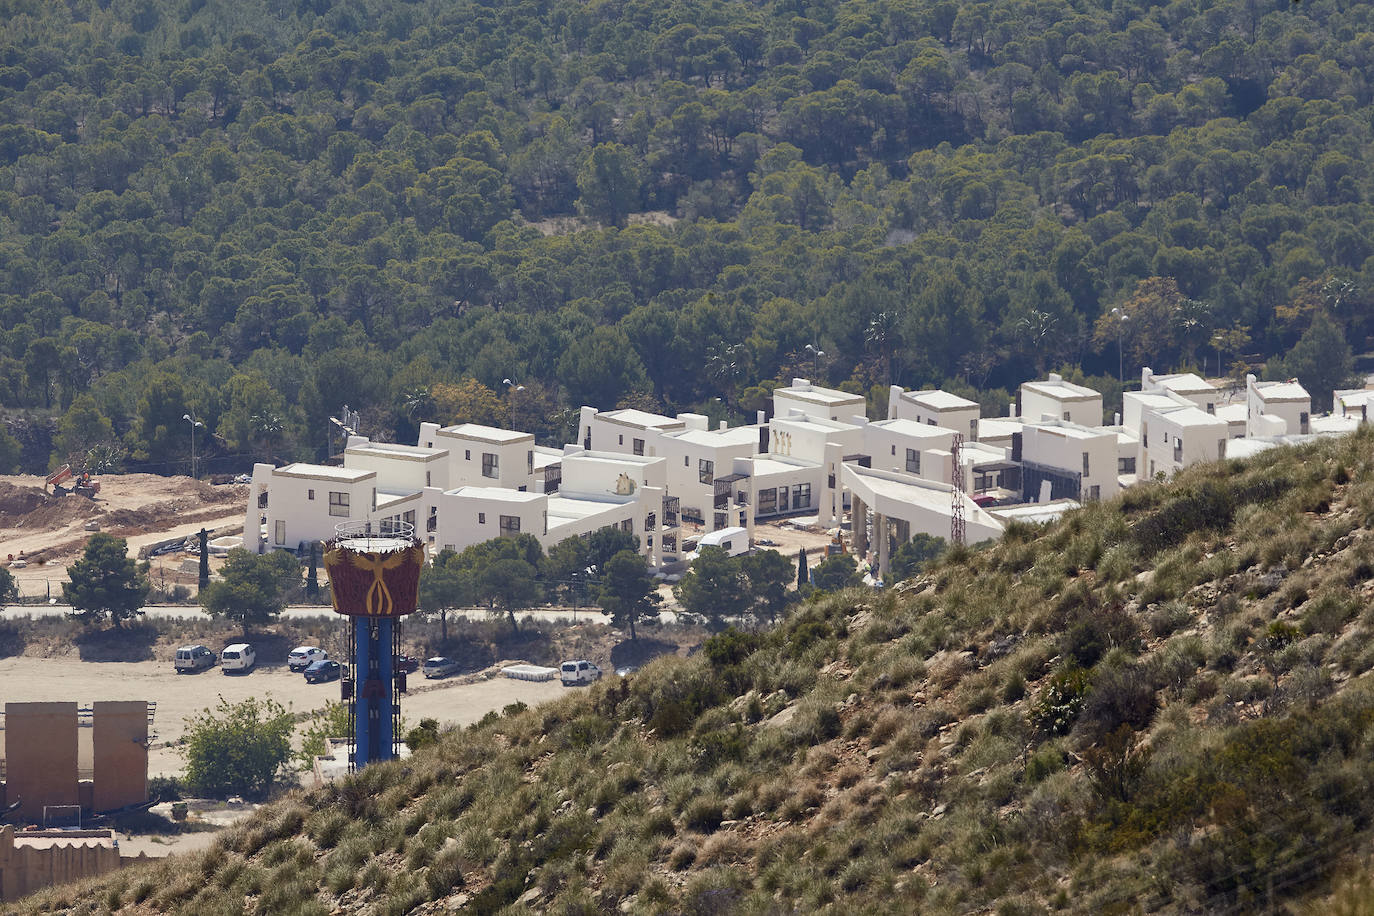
point(880, 532)
point(40, 756)
point(120, 753)
point(858, 524)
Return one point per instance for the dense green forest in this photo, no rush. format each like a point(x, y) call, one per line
point(257, 211)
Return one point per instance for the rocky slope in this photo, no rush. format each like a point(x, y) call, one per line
point(1159, 704)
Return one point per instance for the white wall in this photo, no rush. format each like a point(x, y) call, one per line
point(815, 401)
point(683, 468)
point(1291, 412)
point(909, 405)
point(887, 447)
point(1052, 446)
point(804, 440)
point(1036, 404)
point(398, 471)
point(471, 515)
point(465, 462)
point(300, 500)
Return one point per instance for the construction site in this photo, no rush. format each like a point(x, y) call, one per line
point(42, 530)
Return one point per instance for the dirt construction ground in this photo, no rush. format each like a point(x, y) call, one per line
point(179, 696)
point(50, 531)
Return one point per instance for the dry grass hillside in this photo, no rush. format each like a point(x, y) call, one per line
point(1160, 704)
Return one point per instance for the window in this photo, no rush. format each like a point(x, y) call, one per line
point(510, 525)
point(719, 521)
point(338, 504)
point(1178, 450)
point(1094, 492)
point(409, 518)
point(637, 446)
point(1085, 464)
point(621, 440)
point(686, 461)
point(1211, 407)
point(529, 461)
point(1145, 436)
point(670, 543)
point(706, 470)
point(1066, 415)
point(768, 501)
point(428, 482)
point(1302, 422)
point(913, 461)
point(467, 454)
point(309, 494)
point(449, 548)
point(894, 449)
point(481, 518)
point(801, 496)
point(490, 465)
point(627, 525)
point(281, 531)
point(429, 445)
point(1125, 465)
point(782, 498)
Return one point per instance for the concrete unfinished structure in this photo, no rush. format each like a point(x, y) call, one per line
point(44, 752)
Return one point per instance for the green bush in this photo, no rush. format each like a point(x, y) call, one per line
point(1061, 700)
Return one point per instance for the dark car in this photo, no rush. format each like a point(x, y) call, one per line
point(407, 663)
point(323, 670)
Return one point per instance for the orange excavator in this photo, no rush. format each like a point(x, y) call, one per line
point(84, 484)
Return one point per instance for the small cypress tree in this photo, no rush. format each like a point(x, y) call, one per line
point(312, 577)
point(803, 574)
point(204, 558)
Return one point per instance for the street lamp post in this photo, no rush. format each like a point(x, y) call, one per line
point(190, 418)
point(1121, 319)
point(816, 354)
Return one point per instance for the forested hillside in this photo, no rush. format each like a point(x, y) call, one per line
point(256, 211)
point(1160, 704)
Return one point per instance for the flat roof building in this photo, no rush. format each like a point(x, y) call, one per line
point(1059, 400)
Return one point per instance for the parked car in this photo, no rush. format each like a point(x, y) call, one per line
point(579, 672)
point(303, 657)
point(440, 666)
point(326, 669)
point(406, 663)
point(238, 658)
point(193, 658)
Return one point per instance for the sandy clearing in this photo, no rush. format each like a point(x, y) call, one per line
point(179, 696)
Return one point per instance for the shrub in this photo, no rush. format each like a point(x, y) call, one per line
point(1168, 617)
point(1119, 696)
point(1061, 700)
point(1089, 638)
point(237, 749)
point(423, 735)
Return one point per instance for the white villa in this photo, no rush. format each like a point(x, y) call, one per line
point(671, 480)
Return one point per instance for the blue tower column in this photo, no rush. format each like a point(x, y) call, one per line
point(373, 734)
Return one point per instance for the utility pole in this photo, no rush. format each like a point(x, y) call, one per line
point(956, 518)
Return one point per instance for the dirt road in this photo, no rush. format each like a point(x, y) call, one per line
point(50, 531)
point(180, 696)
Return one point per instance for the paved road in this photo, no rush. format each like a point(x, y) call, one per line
point(304, 611)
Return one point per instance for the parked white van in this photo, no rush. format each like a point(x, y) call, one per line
point(193, 658)
point(238, 657)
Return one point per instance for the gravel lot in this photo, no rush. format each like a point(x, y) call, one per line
point(179, 696)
